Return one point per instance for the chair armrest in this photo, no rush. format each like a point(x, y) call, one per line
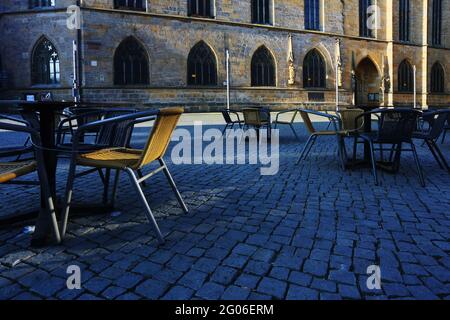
point(286, 111)
point(14, 119)
point(236, 113)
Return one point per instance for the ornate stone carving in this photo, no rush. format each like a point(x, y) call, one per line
point(291, 67)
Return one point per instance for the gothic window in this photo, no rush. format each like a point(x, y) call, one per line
point(45, 63)
point(364, 30)
point(131, 63)
point(130, 4)
point(200, 8)
point(202, 66)
point(261, 11)
point(263, 68)
point(314, 73)
point(436, 21)
point(405, 77)
point(404, 22)
point(312, 14)
point(437, 78)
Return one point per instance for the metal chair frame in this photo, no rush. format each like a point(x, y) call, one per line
point(25, 127)
point(290, 123)
point(394, 140)
point(136, 178)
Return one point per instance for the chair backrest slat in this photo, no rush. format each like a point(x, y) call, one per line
point(348, 118)
point(159, 138)
point(252, 116)
point(396, 126)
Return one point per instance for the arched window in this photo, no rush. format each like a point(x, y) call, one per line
point(436, 21)
point(201, 8)
point(130, 4)
point(404, 10)
point(437, 78)
point(263, 68)
point(45, 63)
point(41, 3)
point(130, 63)
point(364, 30)
point(405, 77)
point(312, 14)
point(202, 66)
point(314, 73)
point(261, 11)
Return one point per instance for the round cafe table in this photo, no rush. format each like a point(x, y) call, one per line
point(48, 112)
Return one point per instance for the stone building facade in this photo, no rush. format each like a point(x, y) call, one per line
point(369, 68)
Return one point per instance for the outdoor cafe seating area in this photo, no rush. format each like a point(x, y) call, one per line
point(99, 138)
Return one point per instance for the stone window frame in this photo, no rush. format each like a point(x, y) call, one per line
point(404, 20)
point(116, 5)
point(319, 71)
point(213, 10)
point(213, 73)
point(321, 12)
point(405, 77)
point(437, 78)
point(139, 49)
point(271, 12)
point(36, 4)
point(271, 80)
point(372, 34)
point(36, 70)
point(436, 23)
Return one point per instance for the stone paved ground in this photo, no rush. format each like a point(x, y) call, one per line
point(309, 232)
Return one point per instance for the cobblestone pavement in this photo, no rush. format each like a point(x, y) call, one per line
point(309, 232)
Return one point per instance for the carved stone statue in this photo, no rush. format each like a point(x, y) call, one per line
point(291, 67)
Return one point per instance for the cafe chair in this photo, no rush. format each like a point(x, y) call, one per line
point(10, 172)
point(229, 121)
point(128, 160)
point(436, 124)
point(107, 136)
point(289, 121)
point(257, 118)
point(395, 128)
point(314, 134)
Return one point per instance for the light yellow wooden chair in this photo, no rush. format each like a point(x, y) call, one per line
point(129, 160)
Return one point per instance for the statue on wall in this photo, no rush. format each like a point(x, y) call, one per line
point(338, 62)
point(291, 67)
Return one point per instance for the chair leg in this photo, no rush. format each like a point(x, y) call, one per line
point(293, 130)
point(433, 152)
point(140, 175)
point(443, 136)
point(419, 168)
point(148, 211)
point(114, 190)
point(355, 148)
point(340, 151)
point(374, 163)
point(106, 186)
point(225, 129)
point(49, 205)
point(173, 185)
point(311, 146)
point(68, 199)
point(305, 148)
point(441, 155)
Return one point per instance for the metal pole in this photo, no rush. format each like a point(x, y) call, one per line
point(415, 87)
point(75, 92)
point(228, 79)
